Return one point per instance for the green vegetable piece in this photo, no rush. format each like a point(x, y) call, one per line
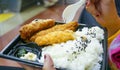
point(21, 52)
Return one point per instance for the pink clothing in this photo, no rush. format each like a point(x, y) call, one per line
point(114, 51)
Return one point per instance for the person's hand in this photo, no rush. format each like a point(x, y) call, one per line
point(105, 13)
point(48, 64)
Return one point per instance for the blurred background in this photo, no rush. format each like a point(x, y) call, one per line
point(16, 12)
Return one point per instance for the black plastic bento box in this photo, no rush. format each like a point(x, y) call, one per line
point(9, 52)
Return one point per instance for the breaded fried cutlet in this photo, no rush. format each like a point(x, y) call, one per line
point(28, 30)
point(55, 37)
point(68, 26)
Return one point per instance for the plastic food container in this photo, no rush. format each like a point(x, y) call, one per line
point(9, 52)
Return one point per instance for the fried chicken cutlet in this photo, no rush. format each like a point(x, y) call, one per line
point(68, 26)
point(28, 30)
point(55, 37)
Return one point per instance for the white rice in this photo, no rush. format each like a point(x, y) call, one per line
point(78, 54)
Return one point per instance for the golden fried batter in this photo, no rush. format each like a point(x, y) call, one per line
point(28, 30)
point(68, 26)
point(55, 37)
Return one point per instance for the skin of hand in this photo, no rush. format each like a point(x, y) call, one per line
point(105, 13)
point(48, 64)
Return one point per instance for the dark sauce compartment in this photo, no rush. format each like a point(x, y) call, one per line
point(20, 50)
point(17, 46)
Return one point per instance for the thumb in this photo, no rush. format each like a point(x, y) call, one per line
point(92, 8)
point(48, 63)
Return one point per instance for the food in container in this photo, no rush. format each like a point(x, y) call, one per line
point(86, 51)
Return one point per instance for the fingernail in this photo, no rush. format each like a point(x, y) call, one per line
point(44, 56)
point(97, 15)
point(86, 3)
